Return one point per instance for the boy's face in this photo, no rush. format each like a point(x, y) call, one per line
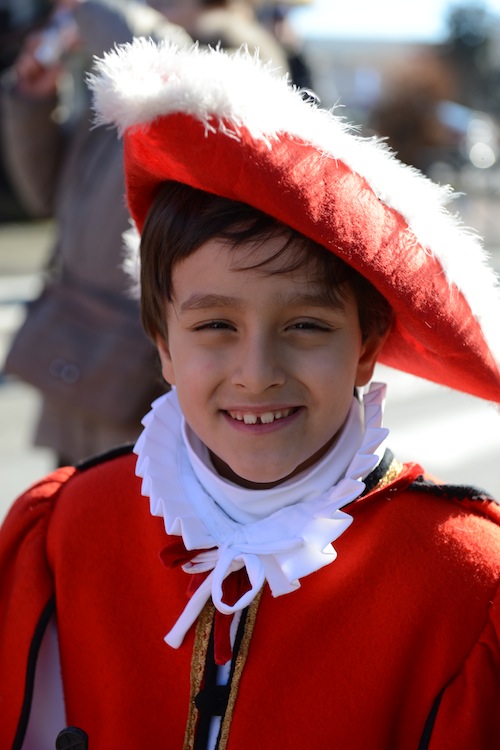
point(264, 364)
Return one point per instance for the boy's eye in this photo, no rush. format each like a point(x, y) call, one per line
point(310, 325)
point(214, 325)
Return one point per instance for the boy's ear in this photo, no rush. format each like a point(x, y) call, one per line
point(368, 359)
point(167, 368)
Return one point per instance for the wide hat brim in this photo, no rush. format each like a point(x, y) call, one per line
point(229, 126)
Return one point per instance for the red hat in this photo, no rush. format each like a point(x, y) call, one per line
point(230, 126)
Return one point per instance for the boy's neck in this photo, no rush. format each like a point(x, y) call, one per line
point(225, 471)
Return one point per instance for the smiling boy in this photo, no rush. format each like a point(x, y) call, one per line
point(265, 359)
point(314, 591)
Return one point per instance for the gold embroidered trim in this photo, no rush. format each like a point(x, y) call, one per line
point(392, 473)
point(238, 670)
point(201, 638)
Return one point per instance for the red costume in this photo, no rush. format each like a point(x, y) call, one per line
point(387, 647)
point(395, 645)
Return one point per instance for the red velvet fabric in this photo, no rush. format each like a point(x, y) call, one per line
point(354, 659)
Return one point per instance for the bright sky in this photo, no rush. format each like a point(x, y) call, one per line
point(390, 19)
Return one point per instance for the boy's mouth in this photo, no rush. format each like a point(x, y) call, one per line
point(266, 417)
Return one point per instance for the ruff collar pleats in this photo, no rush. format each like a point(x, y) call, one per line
point(293, 539)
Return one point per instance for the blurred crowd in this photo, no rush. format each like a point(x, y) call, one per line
point(81, 344)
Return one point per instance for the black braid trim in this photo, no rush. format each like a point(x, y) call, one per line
point(378, 473)
point(450, 491)
point(429, 724)
point(38, 634)
point(100, 458)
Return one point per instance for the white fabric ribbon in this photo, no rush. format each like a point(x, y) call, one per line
point(281, 548)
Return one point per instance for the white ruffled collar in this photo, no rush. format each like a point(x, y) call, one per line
point(282, 546)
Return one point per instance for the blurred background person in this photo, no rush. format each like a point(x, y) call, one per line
point(82, 343)
point(228, 23)
point(407, 112)
point(275, 16)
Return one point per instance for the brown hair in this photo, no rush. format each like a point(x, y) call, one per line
point(182, 218)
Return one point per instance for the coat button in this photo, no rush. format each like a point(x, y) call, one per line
point(72, 738)
point(68, 372)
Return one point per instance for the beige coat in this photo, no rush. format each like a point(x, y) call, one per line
point(75, 174)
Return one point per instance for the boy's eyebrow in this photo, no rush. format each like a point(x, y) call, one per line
point(319, 298)
point(201, 301)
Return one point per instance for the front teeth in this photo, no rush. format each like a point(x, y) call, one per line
point(269, 417)
point(266, 418)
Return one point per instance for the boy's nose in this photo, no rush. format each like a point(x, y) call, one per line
point(258, 365)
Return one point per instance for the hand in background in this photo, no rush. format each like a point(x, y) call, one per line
point(34, 79)
point(40, 63)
